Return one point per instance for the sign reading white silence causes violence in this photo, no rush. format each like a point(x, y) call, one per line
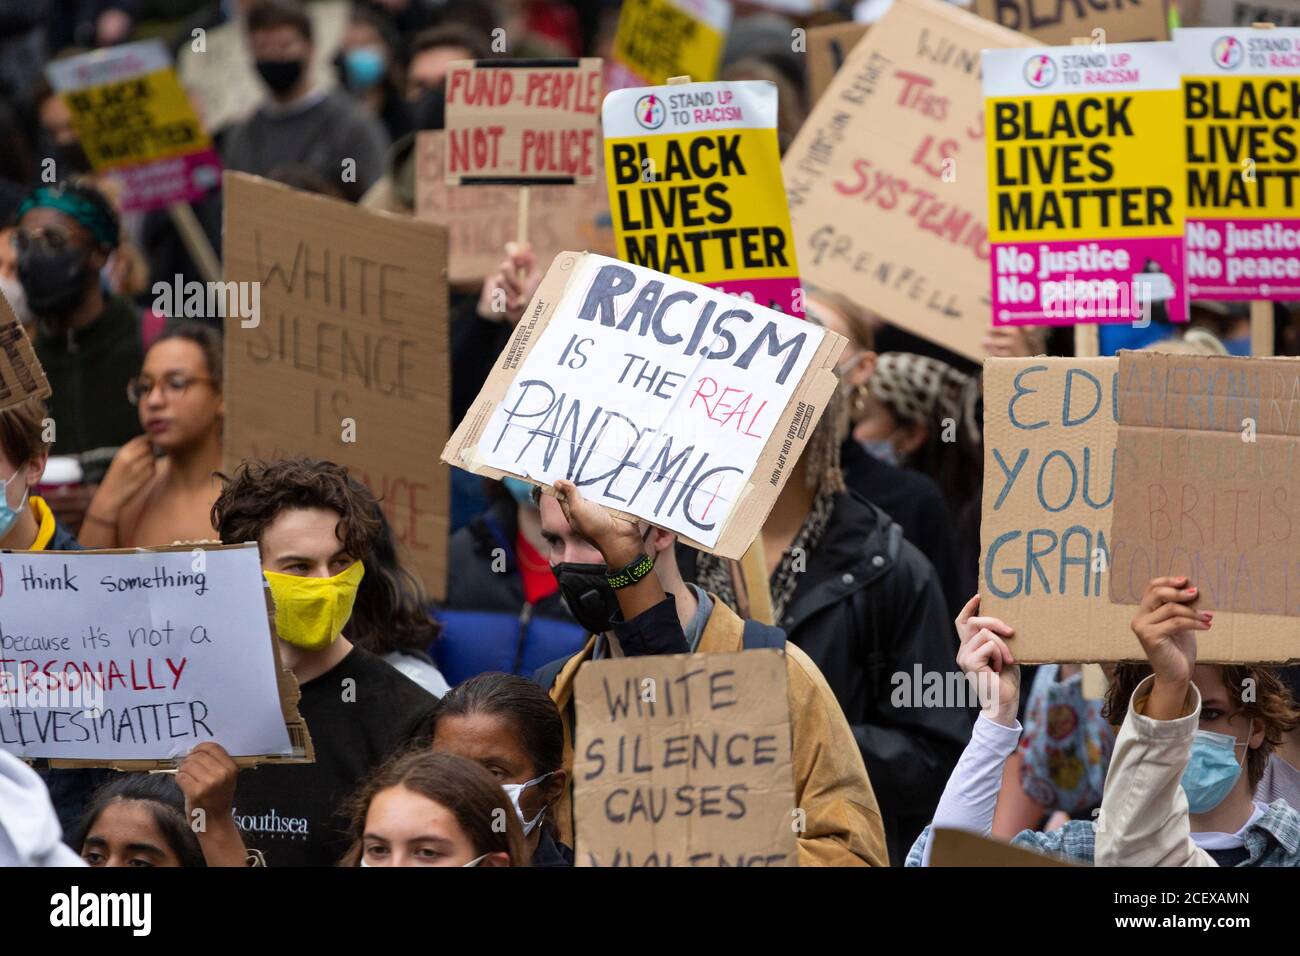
point(108, 657)
point(659, 398)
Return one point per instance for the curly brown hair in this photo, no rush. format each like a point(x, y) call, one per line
point(260, 490)
point(467, 790)
point(1273, 706)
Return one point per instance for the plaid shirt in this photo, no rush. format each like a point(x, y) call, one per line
point(1272, 840)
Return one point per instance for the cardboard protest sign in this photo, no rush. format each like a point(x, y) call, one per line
point(523, 121)
point(131, 658)
point(962, 848)
point(134, 122)
point(21, 375)
point(1086, 193)
point(881, 214)
point(660, 39)
point(659, 398)
point(695, 187)
point(1241, 107)
point(1214, 450)
point(1060, 21)
point(1242, 13)
point(1055, 471)
point(684, 760)
point(480, 220)
point(347, 357)
point(828, 48)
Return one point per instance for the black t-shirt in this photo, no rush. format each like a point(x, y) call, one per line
point(294, 813)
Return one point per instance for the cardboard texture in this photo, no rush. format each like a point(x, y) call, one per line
point(115, 633)
point(886, 179)
point(960, 848)
point(1243, 13)
point(535, 122)
point(1208, 450)
point(828, 48)
point(684, 760)
point(21, 375)
point(480, 220)
point(1057, 22)
point(1054, 467)
point(700, 443)
point(348, 358)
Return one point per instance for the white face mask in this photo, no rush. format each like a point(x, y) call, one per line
point(13, 291)
point(513, 790)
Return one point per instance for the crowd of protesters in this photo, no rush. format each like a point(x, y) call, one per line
point(464, 710)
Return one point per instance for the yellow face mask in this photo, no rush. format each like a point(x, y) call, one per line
point(310, 612)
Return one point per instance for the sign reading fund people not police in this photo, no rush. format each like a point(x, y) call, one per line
point(670, 401)
point(1086, 183)
point(695, 187)
point(1241, 100)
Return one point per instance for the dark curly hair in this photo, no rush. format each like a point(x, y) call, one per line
point(260, 490)
point(391, 611)
point(468, 791)
point(1272, 704)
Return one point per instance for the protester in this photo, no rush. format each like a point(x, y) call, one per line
point(368, 68)
point(315, 525)
point(433, 809)
point(661, 614)
point(324, 129)
point(161, 485)
point(29, 828)
point(391, 619)
point(155, 819)
point(510, 726)
point(503, 610)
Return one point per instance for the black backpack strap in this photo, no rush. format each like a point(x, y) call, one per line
point(758, 635)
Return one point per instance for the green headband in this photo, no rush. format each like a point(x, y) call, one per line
point(101, 225)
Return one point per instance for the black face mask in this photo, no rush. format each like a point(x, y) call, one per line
point(279, 75)
point(590, 599)
point(56, 280)
point(429, 110)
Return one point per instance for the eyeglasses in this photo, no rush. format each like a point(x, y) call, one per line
point(174, 385)
point(52, 236)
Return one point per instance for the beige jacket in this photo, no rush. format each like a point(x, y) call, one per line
point(842, 825)
point(1143, 820)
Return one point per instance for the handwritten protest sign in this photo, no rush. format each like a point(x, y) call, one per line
point(1086, 195)
point(1060, 21)
point(1242, 13)
point(134, 121)
point(828, 48)
point(523, 121)
point(661, 399)
point(1055, 469)
point(21, 375)
point(1214, 446)
point(695, 187)
point(111, 657)
point(886, 180)
point(1241, 91)
point(480, 220)
point(659, 39)
point(347, 359)
point(684, 760)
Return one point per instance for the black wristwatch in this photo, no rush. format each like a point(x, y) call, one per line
point(631, 574)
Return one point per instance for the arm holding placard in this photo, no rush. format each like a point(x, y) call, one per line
point(207, 778)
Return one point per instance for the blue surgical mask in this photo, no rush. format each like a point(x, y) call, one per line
point(1212, 770)
point(882, 449)
point(513, 790)
point(363, 67)
point(519, 489)
point(9, 515)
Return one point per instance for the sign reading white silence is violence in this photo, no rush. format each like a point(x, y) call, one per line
point(660, 398)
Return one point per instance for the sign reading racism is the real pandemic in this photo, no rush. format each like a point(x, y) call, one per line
point(534, 122)
point(1086, 190)
point(1241, 104)
point(695, 187)
point(109, 657)
point(134, 121)
point(660, 39)
point(670, 401)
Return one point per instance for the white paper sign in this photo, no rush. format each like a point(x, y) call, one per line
point(654, 395)
point(136, 656)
